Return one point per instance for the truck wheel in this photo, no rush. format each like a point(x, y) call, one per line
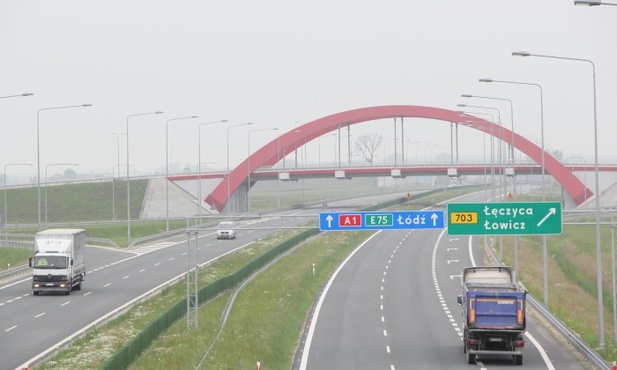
point(471, 359)
point(35, 293)
point(518, 359)
point(68, 292)
point(78, 285)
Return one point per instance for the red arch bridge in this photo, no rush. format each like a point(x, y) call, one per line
point(260, 165)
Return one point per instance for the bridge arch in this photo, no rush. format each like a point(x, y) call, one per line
point(277, 149)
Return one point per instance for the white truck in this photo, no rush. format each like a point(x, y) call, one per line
point(58, 263)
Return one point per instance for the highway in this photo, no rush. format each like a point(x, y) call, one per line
point(33, 326)
point(392, 305)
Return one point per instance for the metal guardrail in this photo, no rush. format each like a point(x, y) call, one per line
point(14, 272)
point(595, 358)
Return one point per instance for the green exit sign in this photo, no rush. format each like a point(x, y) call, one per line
point(526, 218)
point(378, 219)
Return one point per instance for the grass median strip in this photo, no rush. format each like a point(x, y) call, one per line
point(267, 317)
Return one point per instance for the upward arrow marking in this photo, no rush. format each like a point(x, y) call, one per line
point(329, 218)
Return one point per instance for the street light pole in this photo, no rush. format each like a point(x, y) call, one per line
point(4, 188)
point(501, 140)
point(113, 179)
point(16, 96)
point(200, 200)
point(128, 181)
point(228, 203)
point(167, 167)
point(543, 166)
point(511, 151)
point(512, 163)
point(51, 165)
point(248, 186)
point(465, 114)
point(38, 151)
point(113, 189)
point(597, 187)
point(492, 141)
point(592, 3)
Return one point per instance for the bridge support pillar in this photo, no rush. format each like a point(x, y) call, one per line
point(238, 200)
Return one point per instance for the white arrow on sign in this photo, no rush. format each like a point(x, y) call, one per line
point(434, 217)
point(329, 218)
point(551, 211)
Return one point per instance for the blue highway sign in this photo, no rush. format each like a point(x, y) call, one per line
point(337, 221)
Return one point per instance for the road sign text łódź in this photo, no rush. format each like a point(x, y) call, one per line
point(335, 221)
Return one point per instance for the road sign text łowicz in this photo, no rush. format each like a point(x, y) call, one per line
point(524, 218)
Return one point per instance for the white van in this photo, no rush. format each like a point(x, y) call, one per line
point(225, 230)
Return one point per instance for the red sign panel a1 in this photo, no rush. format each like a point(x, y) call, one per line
point(350, 220)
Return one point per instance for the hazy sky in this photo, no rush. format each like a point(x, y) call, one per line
point(284, 63)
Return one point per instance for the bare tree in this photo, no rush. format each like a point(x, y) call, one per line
point(367, 145)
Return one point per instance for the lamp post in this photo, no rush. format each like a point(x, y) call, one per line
point(16, 96)
point(128, 182)
point(592, 3)
point(501, 139)
point(47, 166)
point(511, 162)
point(113, 178)
point(4, 188)
point(228, 186)
point(542, 165)
point(113, 190)
point(492, 155)
point(167, 166)
point(12, 164)
point(199, 163)
point(248, 186)
point(511, 151)
point(38, 151)
point(492, 142)
point(464, 114)
point(597, 186)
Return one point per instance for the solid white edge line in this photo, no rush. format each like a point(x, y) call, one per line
point(309, 337)
point(547, 360)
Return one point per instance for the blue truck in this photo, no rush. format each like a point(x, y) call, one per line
point(493, 310)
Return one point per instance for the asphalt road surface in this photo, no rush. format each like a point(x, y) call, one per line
point(392, 305)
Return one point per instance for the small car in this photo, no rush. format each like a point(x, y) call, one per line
point(225, 230)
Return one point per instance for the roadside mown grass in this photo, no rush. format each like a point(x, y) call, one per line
point(572, 286)
point(267, 317)
point(13, 257)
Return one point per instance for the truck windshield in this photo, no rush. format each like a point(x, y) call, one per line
point(50, 262)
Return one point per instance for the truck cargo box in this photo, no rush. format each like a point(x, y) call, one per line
point(493, 308)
